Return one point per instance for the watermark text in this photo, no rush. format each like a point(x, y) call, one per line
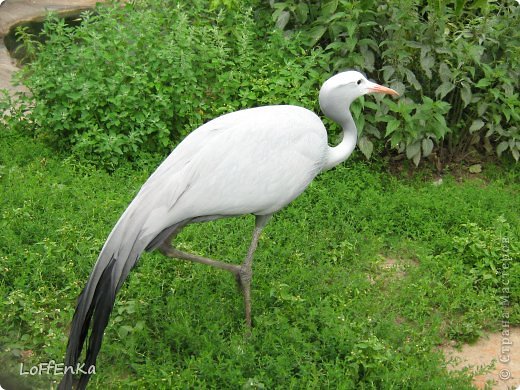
point(53, 368)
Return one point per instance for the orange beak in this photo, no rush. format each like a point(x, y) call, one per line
point(376, 88)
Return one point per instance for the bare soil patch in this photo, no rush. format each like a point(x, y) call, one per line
point(501, 349)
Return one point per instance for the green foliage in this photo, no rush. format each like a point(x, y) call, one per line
point(482, 265)
point(326, 312)
point(488, 254)
point(131, 81)
point(456, 64)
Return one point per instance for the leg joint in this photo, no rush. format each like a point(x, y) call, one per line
point(245, 274)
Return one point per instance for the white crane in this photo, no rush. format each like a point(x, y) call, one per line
point(253, 161)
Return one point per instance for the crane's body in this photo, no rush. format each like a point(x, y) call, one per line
point(286, 144)
point(253, 161)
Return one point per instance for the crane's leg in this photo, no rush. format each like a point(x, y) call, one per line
point(243, 273)
point(168, 250)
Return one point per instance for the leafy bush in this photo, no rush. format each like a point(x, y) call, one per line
point(456, 63)
point(130, 81)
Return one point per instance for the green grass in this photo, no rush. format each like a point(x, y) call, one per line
point(327, 312)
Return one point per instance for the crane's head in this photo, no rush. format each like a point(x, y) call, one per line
point(338, 92)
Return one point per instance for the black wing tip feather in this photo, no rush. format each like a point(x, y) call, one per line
point(99, 306)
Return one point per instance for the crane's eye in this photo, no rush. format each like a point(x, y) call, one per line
point(359, 81)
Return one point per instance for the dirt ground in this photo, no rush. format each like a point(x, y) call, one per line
point(501, 348)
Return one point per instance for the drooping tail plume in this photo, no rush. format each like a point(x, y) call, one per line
point(118, 256)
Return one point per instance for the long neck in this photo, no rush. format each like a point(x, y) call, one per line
point(344, 149)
